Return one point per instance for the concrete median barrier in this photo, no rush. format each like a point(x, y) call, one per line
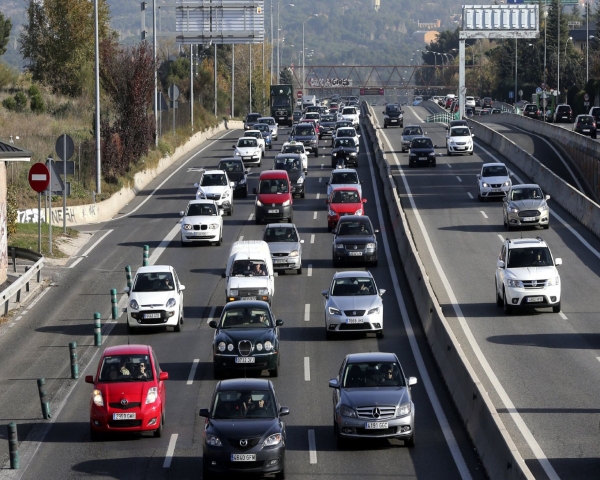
point(496, 449)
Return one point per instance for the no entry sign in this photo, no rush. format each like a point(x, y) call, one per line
point(39, 177)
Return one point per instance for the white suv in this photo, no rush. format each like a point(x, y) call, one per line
point(526, 276)
point(215, 185)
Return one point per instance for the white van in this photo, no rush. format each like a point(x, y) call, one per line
point(309, 100)
point(250, 274)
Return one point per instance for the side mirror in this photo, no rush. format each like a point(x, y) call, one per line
point(89, 379)
point(283, 411)
point(412, 381)
point(247, 171)
point(325, 293)
point(212, 324)
point(204, 413)
point(358, 136)
point(472, 134)
point(301, 241)
point(435, 146)
point(233, 146)
point(333, 383)
point(181, 213)
point(232, 184)
point(221, 212)
point(327, 182)
point(127, 290)
point(182, 287)
point(364, 200)
point(276, 124)
point(547, 197)
point(478, 176)
point(382, 291)
point(254, 191)
point(196, 185)
point(162, 376)
point(447, 128)
point(278, 322)
point(376, 230)
point(500, 263)
point(558, 261)
point(383, 113)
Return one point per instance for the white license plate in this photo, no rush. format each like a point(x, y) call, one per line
point(394, 121)
point(123, 416)
point(354, 320)
point(151, 315)
point(280, 261)
point(245, 360)
point(248, 298)
point(201, 234)
point(496, 189)
point(586, 131)
point(535, 299)
point(528, 219)
point(274, 211)
point(376, 425)
point(422, 158)
point(355, 254)
point(243, 457)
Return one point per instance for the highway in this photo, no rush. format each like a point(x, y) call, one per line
point(541, 369)
point(37, 346)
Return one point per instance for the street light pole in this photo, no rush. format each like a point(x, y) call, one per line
point(272, 72)
point(558, 55)
point(303, 64)
point(278, 29)
point(587, 41)
point(515, 73)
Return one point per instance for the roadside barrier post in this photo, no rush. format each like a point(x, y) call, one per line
point(128, 276)
point(97, 330)
point(74, 364)
point(44, 398)
point(146, 255)
point(13, 446)
point(113, 301)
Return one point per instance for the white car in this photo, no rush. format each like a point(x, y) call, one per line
point(470, 102)
point(215, 185)
point(155, 299)
point(273, 126)
point(493, 181)
point(351, 114)
point(201, 222)
point(248, 149)
point(259, 138)
point(417, 101)
point(297, 147)
point(344, 177)
point(459, 140)
point(526, 276)
point(346, 132)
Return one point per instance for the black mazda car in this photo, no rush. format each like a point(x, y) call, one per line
point(243, 432)
point(344, 148)
point(247, 339)
point(422, 152)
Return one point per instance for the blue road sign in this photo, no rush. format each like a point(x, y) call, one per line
point(511, 94)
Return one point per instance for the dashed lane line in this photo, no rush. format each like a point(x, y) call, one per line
point(170, 451)
point(307, 369)
point(190, 379)
point(312, 447)
point(484, 214)
point(309, 273)
point(307, 312)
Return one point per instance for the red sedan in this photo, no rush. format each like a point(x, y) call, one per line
point(129, 392)
point(343, 201)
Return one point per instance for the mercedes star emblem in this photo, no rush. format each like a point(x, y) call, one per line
point(243, 442)
point(355, 247)
point(376, 413)
point(124, 401)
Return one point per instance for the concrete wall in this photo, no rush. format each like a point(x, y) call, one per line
point(3, 236)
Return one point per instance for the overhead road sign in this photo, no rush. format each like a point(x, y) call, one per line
point(500, 21)
point(372, 91)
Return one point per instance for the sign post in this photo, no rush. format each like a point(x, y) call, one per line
point(64, 148)
point(174, 95)
point(39, 179)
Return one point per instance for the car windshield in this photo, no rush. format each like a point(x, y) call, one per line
point(262, 127)
point(247, 142)
point(328, 118)
point(460, 132)
point(280, 234)
point(413, 131)
point(274, 185)
point(253, 317)
point(236, 404)
point(200, 209)
point(297, 114)
point(372, 374)
point(344, 178)
point(526, 194)
point(586, 120)
point(292, 149)
point(280, 101)
point(392, 109)
point(353, 286)
point(529, 257)
point(339, 125)
point(344, 142)
point(126, 368)
point(153, 282)
point(345, 196)
point(421, 143)
point(346, 132)
point(305, 132)
point(213, 180)
point(231, 167)
point(287, 163)
point(354, 228)
point(349, 111)
point(531, 108)
point(254, 134)
point(252, 118)
point(248, 268)
point(494, 171)
point(312, 116)
point(268, 121)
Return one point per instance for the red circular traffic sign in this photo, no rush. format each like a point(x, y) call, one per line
point(299, 94)
point(39, 177)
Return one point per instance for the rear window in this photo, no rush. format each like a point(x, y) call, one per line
point(563, 109)
point(595, 111)
point(252, 118)
point(531, 108)
point(587, 120)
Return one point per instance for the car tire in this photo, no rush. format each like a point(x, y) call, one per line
point(217, 374)
point(230, 213)
point(328, 334)
point(385, 125)
point(281, 474)
point(257, 221)
point(410, 442)
point(177, 328)
point(379, 334)
point(270, 147)
point(403, 151)
point(274, 373)
point(546, 227)
point(218, 242)
point(479, 197)
point(556, 308)
point(131, 330)
point(245, 192)
point(317, 152)
point(184, 244)
point(448, 152)
point(299, 271)
point(508, 310)
point(206, 473)
point(499, 301)
point(302, 194)
point(471, 152)
point(374, 264)
point(340, 442)
point(158, 431)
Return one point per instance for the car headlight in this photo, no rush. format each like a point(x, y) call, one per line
point(171, 303)
point(242, 181)
point(514, 283)
point(263, 291)
point(358, 212)
point(373, 311)
point(258, 203)
point(213, 441)
point(431, 154)
point(221, 346)
point(404, 409)
point(334, 311)
point(512, 209)
point(268, 346)
point(272, 440)
point(225, 194)
point(200, 194)
point(213, 226)
point(97, 398)
point(331, 213)
point(230, 347)
point(370, 246)
point(544, 206)
point(353, 154)
point(286, 203)
point(133, 304)
point(334, 154)
point(413, 155)
point(452, 143)
point(300, 181)
point(293, 253)
point(485, 185)
point(152, 395)
point(346, 411)
point(187, 226)
point(339, 246)
point(237, 153)
point(314, 140)
point(507, 183)
point(233, 292)
point(259, 347)
point(553, 281)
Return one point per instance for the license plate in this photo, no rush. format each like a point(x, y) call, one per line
point(245, 360)
point(376, 425)
point(422, 158)
point(123, 416)
point(243, 457)
point(586, 131)
point(355, 254)
point(201, 234)
point(151, 315)
point(274, 211)
point(535, 299)
point(280, 261)
point(496, 189)
point(528, 219)
point(248, 298)
point(394, 121)
point(354, 320)
point(246, 158)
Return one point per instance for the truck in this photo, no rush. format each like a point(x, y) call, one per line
point(282, 104)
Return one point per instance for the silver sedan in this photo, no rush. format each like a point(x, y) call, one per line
point(526, 205)
point(285, 246)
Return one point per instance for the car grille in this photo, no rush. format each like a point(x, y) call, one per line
point(376, 433)
point(534, 284)
point(529, 213)
point(495, 185)
point(244, 465)
point(213, 196)
point(151, 321)
point(200, 227)
point(279, 255)
point(245, 347)
point(355, 326)
point(352, 247)
point(124, 423)
point(385, 411)
point(461, 143)
point(354, 313)
point(127, 406)
point(280, 112)
point(235, 443)
point(249, 292)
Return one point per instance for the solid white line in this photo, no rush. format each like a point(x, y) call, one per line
point(170, 451)
point(483, 213)
point(193, 371)
point(309, 273)
point(508, 404)
point(307, 312)
point(307, 369)
point(312, 238)
point(469, 194)
point(315, 216)
point(76, 262)
point(318, 195)
point(449, 166)
point(312, 447)
point(241, 238)
point(38, 298)
point(562, 315)
point(162, 246)
point(251, 217)
point(598, 358)
point(211, 313)
point(320, 179)
point(458, 178)
point(501, 238)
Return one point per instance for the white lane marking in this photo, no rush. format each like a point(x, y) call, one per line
point(449, 166)
point(307, 369)
point(211, 314)
point(322, 166)
point(241, 238)
point(469, 194)
point(598, 358)
point(76, 262)
point(309, 274)
point(315, 216)
point(414, 113)
point(508, 404)
point(483, 213)
point(251, 217)
point(87, 252)
point(562, 315)
point(576, 234)
point(170, 451)
point(307, 312)
point(312, 238)
point(38, 299)
point(501, 238)
point(318, 195)
point(162, 246)
point(174, 172)
point(312, 447)
point(18, 318)
point(458, 178)
point(423, 373)
point(320, 179)
point(190, 379)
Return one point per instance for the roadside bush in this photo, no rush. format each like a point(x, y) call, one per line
point(11, 211)
point(20, 101)
point(165, 148)
point(36, 103)
point(10, 104)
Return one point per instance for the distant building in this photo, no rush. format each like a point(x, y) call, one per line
point(425, 36)
point(376, 4)
point(580, 35)
point(430, 25)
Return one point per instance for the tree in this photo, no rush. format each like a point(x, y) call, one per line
point(286, 77)
point(5, 28)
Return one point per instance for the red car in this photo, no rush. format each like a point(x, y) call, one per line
point(129, 392)
point(343, 201)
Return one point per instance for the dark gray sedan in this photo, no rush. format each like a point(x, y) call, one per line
point(409, 133)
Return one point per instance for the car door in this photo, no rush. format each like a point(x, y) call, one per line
point(178, 287)
point(500, 272)
point(337, 391)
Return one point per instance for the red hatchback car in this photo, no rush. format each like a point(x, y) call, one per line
point(343, 201)
point(129, 392)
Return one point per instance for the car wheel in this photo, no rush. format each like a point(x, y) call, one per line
point(385, 125)
point(245, 192)
point(206, 473)
point(340, 442)
point(410, 442)
point(270, 147)
point(556, 308)
point(403, 150)
point(158, 431)
point(434, 163)
point(507, 308)
point(177, 327)
point(302, 194)
point(217, 374)
point(546, 227)
point(184, 244)
point(471, 152)
point(257, 221)
point(379, 334)
point(316, 152)
point(230, 213)
point(448, 152)
point(479, 197)
point(258, 164)
point(594, 136)
point(374, 264)
point(499, 301)
point(218, 242)
point(274, 373)
point(299, 271)
point(131, 330)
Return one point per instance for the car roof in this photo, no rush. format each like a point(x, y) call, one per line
point(526, 242)
point(346, 188)
point(244, 384)
point(526, 185)
point(127, 350)
point(305, 124)
point(344, 170)
point(201, 202)
point(246, 304)
point(267, 118)
point(407, 126)
point(371, 357)
point(353, 273)
point(154, 269)
point(287, 155)
point(213, 172)
point(353, 218)
point(493, 164)
point(281, 225)
point(248, 138)
point(231, 159)
point(270, 174)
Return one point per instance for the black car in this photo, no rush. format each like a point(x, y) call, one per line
point(296, 116)
point(327, 125)
point(478, 102)
point(392, 116)
point(531, 110)
point(236, 173)
point(487, 102)
point(457, 123)
point(344, 148)
point(251, 119)
point(341, 124)
point(247, 338)
point(586, 125)
point(292, 163)
point(306, 134)
point(422, 152)
point(243, 433)
point(354, 240)
point(563, 113)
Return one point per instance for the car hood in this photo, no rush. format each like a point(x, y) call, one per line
point(330, 187)
point(273, 198)
point(239, 428)
point(531, 204)
point(217, 189)
point(360, 397)
point(158, 298)
point(244, 151)
point(294, 175)
point(355, 239)
point(235, 335)
point(260, 281)
point(345, 207)
point(114, 392)
point(235, 177)
point(283, 247)
point(328, 124)
point(266, 135)
point(302, 138)
point(494, 179)
point(355, 302)
point(201, 219)
point(460, 139)
point(422, 151)
point(531, 273)
point(344, 150)
point(394, 114)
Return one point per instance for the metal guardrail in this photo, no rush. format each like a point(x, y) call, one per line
point(16, 287)
point(444, 117)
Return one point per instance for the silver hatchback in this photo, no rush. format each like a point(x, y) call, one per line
point(285, 246)
point(273, 126)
